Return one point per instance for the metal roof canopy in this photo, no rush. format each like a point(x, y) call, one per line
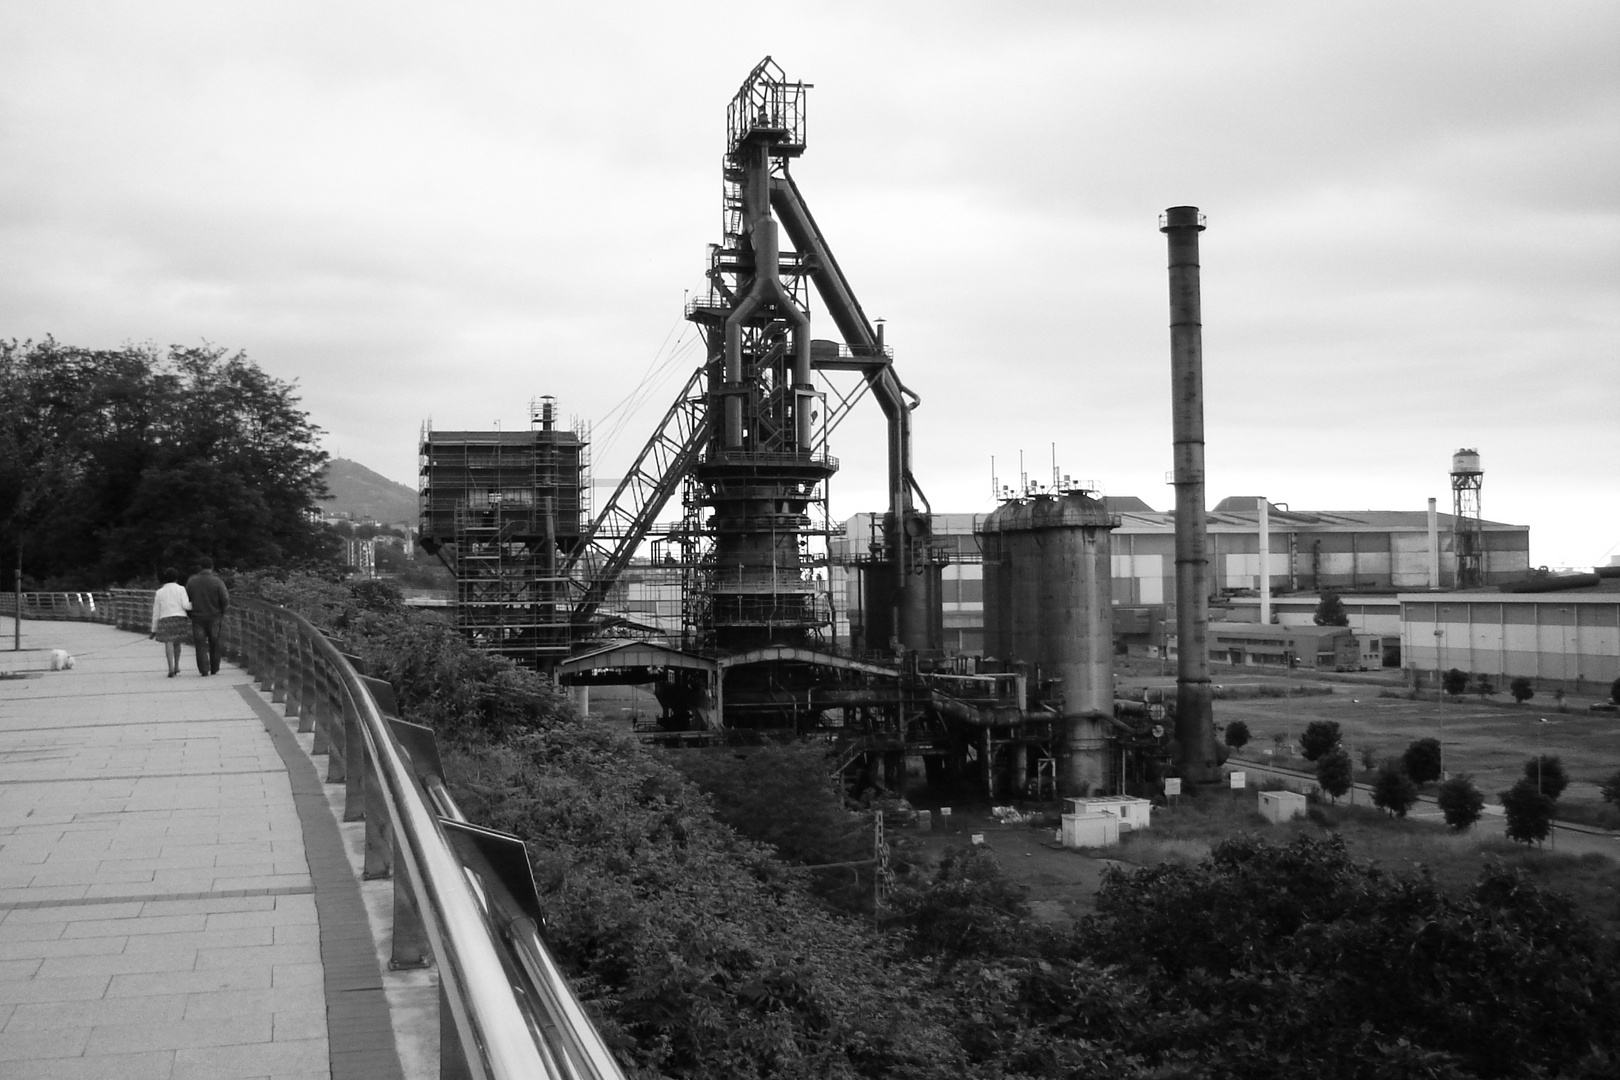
point(644, 656)
point(631, 655)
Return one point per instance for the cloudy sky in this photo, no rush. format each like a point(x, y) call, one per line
point(442, 211)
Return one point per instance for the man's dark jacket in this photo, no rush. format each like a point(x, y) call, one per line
point(208, 596)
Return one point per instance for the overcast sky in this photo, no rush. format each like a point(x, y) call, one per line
point(443, 211)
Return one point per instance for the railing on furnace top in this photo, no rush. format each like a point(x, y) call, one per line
point(464, 897)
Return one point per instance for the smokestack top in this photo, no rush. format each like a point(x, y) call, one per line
point(1181, 217)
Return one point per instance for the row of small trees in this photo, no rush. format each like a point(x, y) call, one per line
point(1529, 803)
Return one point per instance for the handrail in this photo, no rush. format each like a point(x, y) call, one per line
point(463, 895)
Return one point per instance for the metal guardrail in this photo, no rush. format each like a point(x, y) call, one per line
point(464, 896)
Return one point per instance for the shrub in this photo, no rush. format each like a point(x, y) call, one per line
point(1546, 774)
point(1522, 689)
point(968, 908)
point(779, 795)
point(1334, 772)
point(1271, 961)
point(1460, 801)
point(1484, 687)
point(1614, 691)
point(1422, 760)
point(1369, 757)
point(1454, 681)
point(1393, 791)
point(1320, 736)
point(1237, 734)
point(1529, 812)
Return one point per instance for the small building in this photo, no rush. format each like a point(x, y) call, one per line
point(1315, 648)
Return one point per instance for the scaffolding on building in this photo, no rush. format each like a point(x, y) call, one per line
point(503, 510)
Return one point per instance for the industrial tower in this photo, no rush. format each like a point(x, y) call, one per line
point(761, 471)
point(1467, 533)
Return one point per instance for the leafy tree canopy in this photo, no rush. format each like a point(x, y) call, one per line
point(1548, 774)
point(1529, 812)
point(1320, 736)
point(1460, 801)
point(1237, 734)
point(1330, 611)
point(1393, 790)
point(1335, 772)
point(1422, 760)
point(1522, 689)
point(1455, 681)
point(116, 462)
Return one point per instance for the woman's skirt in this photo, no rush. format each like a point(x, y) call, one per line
point(174, 628)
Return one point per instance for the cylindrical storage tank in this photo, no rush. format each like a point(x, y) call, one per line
point(995, 583)
point(1465, 462)
point(1075, 535)
point(1050, 587)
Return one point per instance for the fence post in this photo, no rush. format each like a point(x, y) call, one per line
point(292, 692)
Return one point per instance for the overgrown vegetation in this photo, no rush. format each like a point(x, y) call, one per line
point(708, 954)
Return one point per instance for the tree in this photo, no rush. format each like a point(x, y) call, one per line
point(1422, 760)
point(1369, 757)
point(1460, 801)
point(1522, 689)
point(1558, 699)
point(1454, 681)
point(1334, 771)
point(1320, 736)
point(1614, 691)
point(1237, 734)
point(1610, 789)
point(1483, 686)
point(113, 462)
point(1393, 790)
point(1330, 611)
point(1547, 773)
point(1529, 812)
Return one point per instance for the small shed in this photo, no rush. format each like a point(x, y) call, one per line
point(1280, 806)
point(1090, 830)
point(1132, 813)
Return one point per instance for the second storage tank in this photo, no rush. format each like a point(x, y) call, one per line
point(1049, 605)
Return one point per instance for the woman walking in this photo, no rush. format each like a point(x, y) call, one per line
point(170, 624)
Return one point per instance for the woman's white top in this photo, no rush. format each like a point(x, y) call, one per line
point(170, 600)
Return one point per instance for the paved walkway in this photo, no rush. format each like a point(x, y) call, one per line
point(159, 916)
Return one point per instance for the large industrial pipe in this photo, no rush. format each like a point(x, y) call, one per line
point(1434, 548)
point(1265, 561)
point(1195, 717)
point(767, 288)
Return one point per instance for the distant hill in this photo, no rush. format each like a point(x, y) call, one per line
point(361, 493)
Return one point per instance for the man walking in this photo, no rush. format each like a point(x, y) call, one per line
point(208, 603)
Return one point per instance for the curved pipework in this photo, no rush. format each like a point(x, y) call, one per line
point(767, 287)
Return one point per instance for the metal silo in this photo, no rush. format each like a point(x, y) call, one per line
point(1048, 595)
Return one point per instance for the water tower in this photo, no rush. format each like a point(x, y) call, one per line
point(1468, 537)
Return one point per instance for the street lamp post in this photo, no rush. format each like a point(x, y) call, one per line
point(1440, 697)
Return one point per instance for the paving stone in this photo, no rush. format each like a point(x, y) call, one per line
point(180, 1034)
point(154, 1008)
point(238, 1062)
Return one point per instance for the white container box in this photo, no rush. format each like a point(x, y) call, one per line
point(1132, 813)
point(1280, 806)
point(1090, 830)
